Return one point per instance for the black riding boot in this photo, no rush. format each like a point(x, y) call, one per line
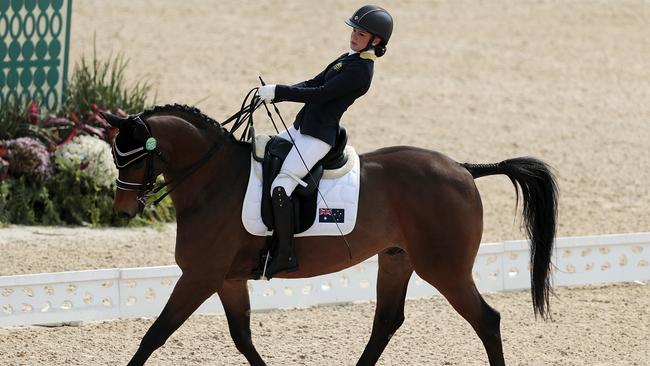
point(283, 260)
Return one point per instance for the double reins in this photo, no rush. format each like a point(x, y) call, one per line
point(149, 187)
point(242, 117)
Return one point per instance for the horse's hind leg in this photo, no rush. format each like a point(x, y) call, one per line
point(468, 302)
point(189, 293)
point(392, 281)
point(236, 304)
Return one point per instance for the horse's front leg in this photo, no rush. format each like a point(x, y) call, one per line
point(189, 293)
point(236, 304)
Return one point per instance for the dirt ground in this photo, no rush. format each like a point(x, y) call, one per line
point(593, 325)
point(482, 81)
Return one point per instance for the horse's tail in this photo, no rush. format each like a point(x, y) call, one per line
point(540, 192)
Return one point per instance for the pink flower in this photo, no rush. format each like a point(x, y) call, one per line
point(29, 156)
point(33, 115)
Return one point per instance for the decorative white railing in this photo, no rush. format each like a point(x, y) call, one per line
point(142, 292)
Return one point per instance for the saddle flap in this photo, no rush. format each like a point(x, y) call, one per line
point(275, 151)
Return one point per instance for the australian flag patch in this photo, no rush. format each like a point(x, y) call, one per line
point(331, 215)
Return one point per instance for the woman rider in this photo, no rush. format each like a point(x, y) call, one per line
point(316, 127)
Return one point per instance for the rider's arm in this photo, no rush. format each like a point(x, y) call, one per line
point(350, 78)
point(316, 80)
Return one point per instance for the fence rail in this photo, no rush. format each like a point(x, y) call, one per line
point(142, 292)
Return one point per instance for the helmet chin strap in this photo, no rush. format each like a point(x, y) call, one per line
point(369, 46)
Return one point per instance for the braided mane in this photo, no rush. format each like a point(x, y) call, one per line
point(190, 114)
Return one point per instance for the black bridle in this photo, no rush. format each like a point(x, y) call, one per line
point(150, 151)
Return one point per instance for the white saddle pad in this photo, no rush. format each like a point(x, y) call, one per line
point(339, 187)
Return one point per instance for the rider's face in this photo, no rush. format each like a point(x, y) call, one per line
point(359, 39)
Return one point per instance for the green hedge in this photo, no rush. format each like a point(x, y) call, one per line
point(69, 196)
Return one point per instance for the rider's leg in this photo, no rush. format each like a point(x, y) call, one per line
point(299, 161)
point(295, 167)
point(285, 134)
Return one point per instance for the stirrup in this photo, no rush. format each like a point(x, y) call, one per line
point(288, 266)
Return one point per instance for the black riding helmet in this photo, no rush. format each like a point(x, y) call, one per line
point(375, 20)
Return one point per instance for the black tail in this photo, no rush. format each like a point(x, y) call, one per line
point(540, 192)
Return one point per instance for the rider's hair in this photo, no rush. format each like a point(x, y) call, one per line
point(380, 50)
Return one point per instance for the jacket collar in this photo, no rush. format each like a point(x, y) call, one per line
point(368, 55)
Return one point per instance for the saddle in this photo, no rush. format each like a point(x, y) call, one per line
point(304, 198)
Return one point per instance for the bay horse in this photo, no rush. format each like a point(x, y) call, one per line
point(419, 211)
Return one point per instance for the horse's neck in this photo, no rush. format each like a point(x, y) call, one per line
point(214, 189)
point(229, 173)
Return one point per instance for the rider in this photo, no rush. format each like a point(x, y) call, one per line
point(316, 127)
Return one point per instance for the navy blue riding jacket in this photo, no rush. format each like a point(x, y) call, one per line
point(329, 94)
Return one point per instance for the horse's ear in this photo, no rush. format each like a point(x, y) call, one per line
point(113, 120)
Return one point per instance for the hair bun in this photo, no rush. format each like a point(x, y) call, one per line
point(380, 50)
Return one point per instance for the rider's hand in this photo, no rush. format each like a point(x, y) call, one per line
point(266, 92)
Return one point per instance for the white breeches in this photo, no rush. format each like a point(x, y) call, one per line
point(293, 169)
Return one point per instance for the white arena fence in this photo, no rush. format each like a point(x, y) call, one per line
point(53, 298)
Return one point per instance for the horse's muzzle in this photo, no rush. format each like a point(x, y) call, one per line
point(124, 215)
point(126, 204)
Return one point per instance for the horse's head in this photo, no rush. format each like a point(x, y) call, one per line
point(138, 161)
point(174, 140)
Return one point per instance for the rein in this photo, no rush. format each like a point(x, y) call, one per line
point(188, 172)
point(149, 187)
point(241, 117)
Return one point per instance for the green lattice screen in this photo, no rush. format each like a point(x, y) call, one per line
point(34, 50)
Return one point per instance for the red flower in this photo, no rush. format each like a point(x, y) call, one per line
point(112, 132)
point(69, 138)
point(4, 169)
point(33, 115)
point(75, 119)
